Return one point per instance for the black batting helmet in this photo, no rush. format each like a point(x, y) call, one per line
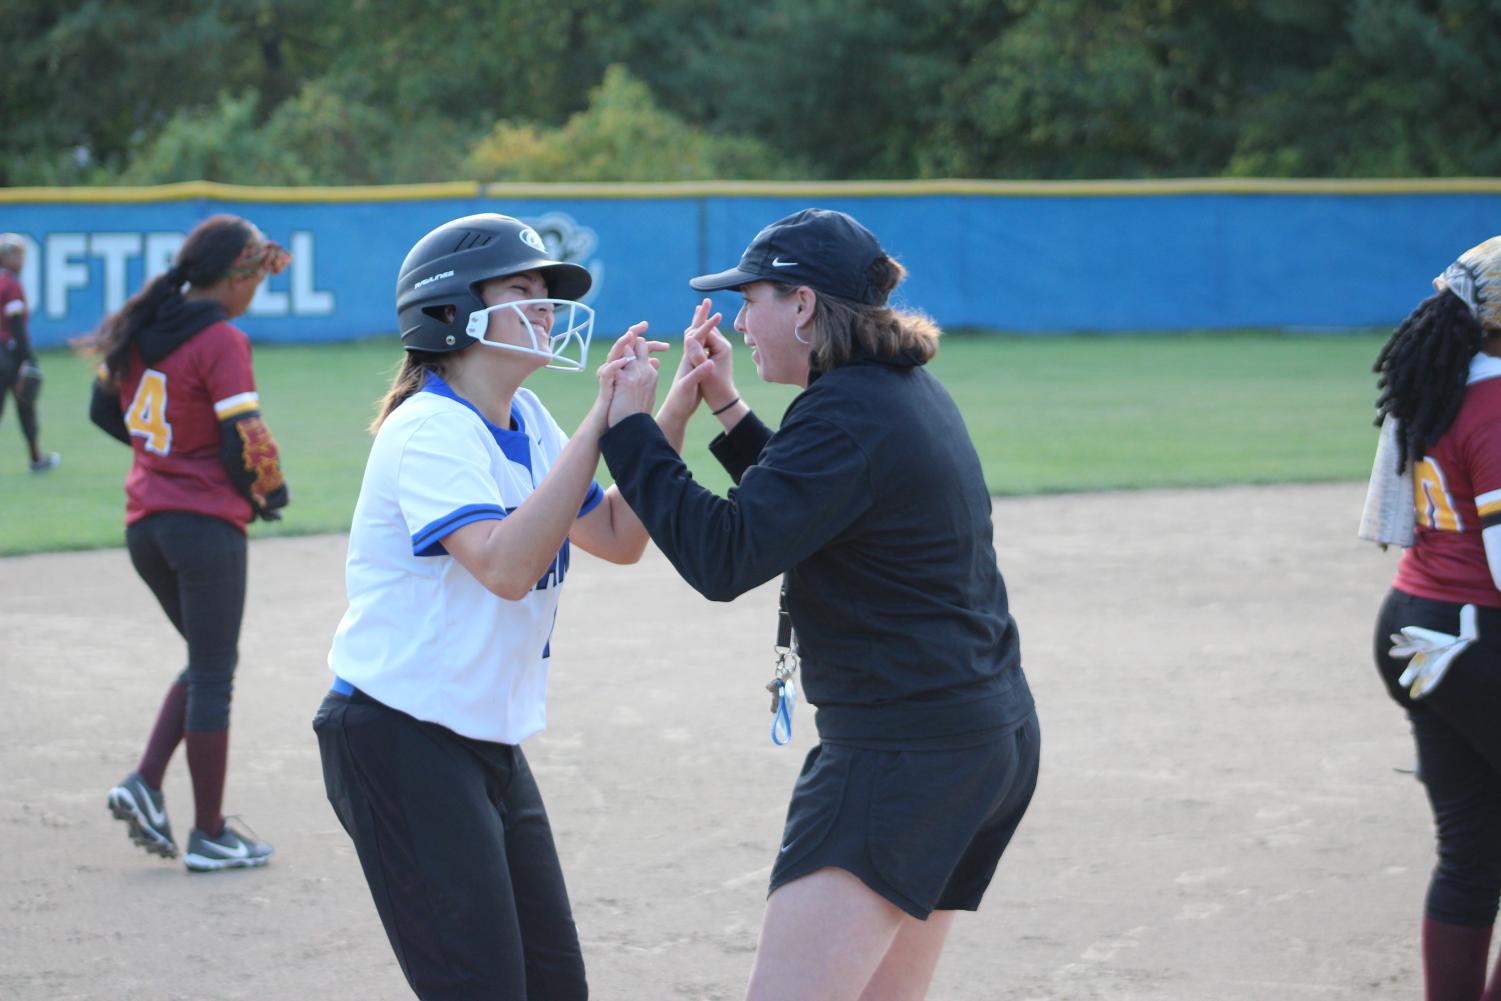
point(446, 267)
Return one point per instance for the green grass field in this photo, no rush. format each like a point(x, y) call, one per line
point(1047, 414)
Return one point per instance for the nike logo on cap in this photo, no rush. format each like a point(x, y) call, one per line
point(777, 262)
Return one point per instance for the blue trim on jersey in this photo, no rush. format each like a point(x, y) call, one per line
point(428, 541)
point(592, 498)
point(342, 687)
point(515, 445)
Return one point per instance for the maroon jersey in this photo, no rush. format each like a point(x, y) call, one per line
point(12, 302)
point(1457, 491)
point(172, 409)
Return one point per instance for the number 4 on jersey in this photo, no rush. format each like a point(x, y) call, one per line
point(1431, 497)
point(147, 416)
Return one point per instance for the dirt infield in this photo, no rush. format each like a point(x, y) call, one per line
point(1222, 814)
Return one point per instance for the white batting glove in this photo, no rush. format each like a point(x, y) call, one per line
point(1432, 652)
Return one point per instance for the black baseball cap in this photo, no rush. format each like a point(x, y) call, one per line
point(827, 251)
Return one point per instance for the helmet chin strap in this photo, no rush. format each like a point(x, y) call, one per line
point(576, 333)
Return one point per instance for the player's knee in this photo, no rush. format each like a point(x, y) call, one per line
point(208, 703)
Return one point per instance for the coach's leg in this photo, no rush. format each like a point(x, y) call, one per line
point(554, 961)
point(417, 802)
point(907, 969)
point(822, 938)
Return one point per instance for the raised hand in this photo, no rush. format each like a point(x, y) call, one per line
point(683, 398)
point(718, 386)
point(623, 353)
point(635, 378)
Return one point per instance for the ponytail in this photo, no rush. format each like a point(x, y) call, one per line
point(118, 332)
point(205, 258)
point(1423, 368)
point(409, 378)
point(841, 327)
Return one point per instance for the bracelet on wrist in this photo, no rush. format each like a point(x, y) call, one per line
point(716, 413)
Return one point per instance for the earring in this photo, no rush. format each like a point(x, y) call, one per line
point(797, 332)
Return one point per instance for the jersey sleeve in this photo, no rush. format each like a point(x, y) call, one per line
point(224, 367)
point(247, 451)
point(13, 314)
point(12, 298)
point(444, 481)
point(1484, 460)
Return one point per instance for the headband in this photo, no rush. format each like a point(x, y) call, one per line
point(1475, 279)
point(269, 255)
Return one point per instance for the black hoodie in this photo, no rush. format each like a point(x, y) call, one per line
point(176, 322)
point(870, 498)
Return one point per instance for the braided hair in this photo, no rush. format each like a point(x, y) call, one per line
point(205, 257)
point(1423, 368)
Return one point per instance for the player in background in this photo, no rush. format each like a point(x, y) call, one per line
point(1440, 378)
point(19, 373)
point(870, 500)
point(176, 385)
point(458, 551)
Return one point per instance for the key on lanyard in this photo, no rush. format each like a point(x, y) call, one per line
point(783, 697)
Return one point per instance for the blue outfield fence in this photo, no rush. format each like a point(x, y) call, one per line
point(1108, 256)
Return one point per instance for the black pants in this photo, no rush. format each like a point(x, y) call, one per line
point(1457, 727)
point(456, 847)
point(10, 370)
point(195, 565)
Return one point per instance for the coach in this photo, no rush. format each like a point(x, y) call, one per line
point(870, 500)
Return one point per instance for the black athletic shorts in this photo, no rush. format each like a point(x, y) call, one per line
point(925, 828)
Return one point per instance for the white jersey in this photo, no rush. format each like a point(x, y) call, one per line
point(422, 634)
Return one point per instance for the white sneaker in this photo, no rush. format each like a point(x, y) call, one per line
point(230, 850)
point(141, 807)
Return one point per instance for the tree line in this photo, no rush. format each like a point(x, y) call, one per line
point(389, 91)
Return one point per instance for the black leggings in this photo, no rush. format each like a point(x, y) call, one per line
point(195, 565)
point(457, 851)
point(1457, 727)
point(10, 369)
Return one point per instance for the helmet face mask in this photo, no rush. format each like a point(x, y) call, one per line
point(438, 305)
point(566, 351)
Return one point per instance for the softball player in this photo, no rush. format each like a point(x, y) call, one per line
point(1441, 381)
point(19, 374)
point(458, 551)
point(177, 386)
point(869, 499)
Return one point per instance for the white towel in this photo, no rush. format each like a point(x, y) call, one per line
point(1388, 516)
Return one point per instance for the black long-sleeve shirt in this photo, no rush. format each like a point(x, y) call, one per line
point(871, 499)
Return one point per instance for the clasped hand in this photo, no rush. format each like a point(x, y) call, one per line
point(705, 373)
point(628, 378)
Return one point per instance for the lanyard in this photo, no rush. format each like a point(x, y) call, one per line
point(782, 688)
